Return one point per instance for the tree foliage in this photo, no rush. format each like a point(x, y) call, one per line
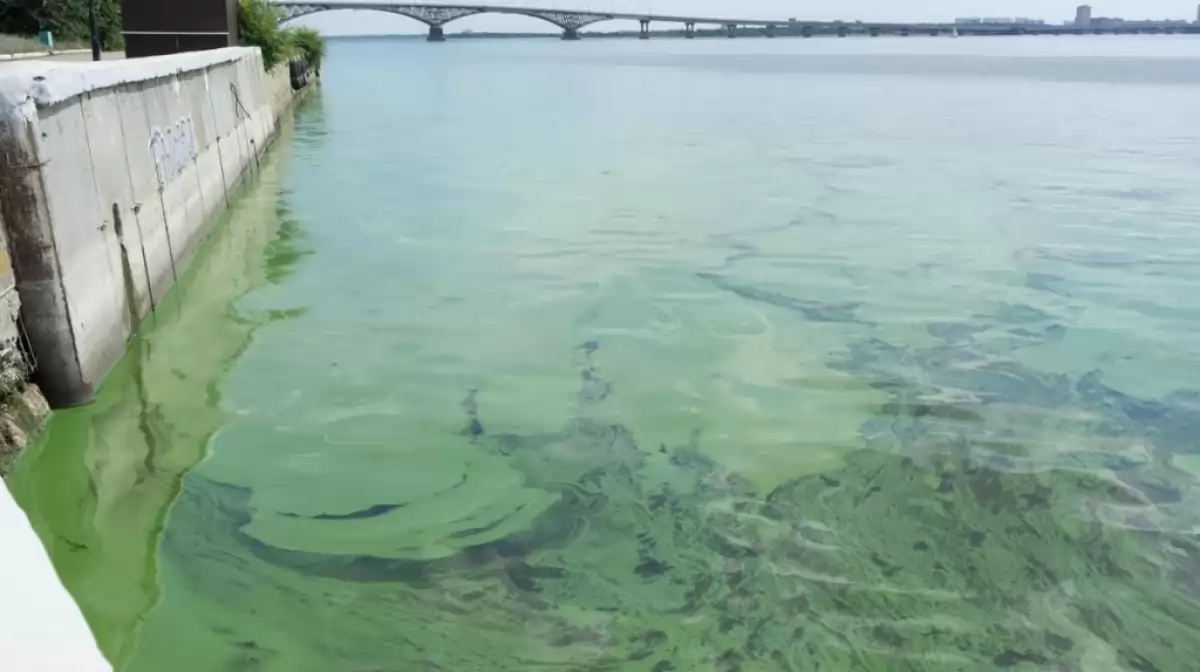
point(258, 21)
point(67, 19)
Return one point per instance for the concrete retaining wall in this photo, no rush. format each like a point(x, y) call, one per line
point(110, 174)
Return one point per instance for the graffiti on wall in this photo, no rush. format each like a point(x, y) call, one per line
point(173, 149)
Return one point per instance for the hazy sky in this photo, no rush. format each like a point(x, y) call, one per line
point(879, 10)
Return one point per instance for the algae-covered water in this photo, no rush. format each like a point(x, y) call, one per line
point(787, 355)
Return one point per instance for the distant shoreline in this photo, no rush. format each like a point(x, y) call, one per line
point(681, 34)
point(483, 35)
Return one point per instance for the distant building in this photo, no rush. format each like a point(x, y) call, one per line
point(998, 20)
point(1118, 22)
point(1198, 14)
point(1083, 16)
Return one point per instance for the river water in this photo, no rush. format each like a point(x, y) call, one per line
point(712, 355)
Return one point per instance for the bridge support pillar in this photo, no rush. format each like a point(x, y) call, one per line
point(843, 31)
point(645, 34)
point(874, 30)
point(571, 34)
point(689, 30)
point(807, 31)
point(770, 30)
point(731, 29)
point(436, 34)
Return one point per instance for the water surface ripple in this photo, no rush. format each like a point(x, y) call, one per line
point(712, 355)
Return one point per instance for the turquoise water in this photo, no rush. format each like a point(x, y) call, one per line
point(751, 355)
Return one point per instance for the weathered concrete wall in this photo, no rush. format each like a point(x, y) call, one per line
point(279, 88)
point(110, 174)
point(13, 367)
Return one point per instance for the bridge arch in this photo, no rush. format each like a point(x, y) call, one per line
point(437, 16)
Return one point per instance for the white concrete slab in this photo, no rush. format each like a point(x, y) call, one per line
point(41, 628)
point(54, 81)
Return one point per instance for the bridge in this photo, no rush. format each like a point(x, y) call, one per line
point(436, 16)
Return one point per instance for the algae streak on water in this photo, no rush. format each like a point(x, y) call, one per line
point(99, 485)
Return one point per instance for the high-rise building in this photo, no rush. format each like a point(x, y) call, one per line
point(1083, 16)
point(1198, 14)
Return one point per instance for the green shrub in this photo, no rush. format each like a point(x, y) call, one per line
point(14, 44)
point(258, 22)
point(67, 19)
point(311, 45)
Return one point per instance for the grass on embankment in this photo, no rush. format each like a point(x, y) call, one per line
point(15, 44)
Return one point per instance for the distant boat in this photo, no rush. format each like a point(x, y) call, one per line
point(954, 32)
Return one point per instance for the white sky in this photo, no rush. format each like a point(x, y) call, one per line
point(1055, 11)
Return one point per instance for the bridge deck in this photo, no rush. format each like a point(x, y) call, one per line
point(661, 18)
point(998, 28)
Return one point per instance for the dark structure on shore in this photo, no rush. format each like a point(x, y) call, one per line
point(155, 27)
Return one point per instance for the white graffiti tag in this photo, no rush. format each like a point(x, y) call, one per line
point(172, 149)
